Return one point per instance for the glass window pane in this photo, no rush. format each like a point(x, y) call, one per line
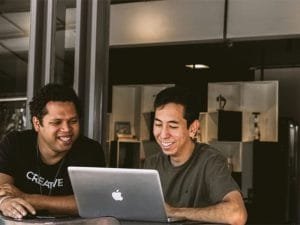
point(65, 41)
point(14, 44)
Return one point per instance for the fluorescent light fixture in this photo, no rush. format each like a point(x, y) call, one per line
point(197, 66)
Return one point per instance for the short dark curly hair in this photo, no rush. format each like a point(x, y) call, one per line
point(52, 92)
point(182, 96)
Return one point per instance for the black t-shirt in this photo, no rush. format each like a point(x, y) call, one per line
point(201, 181)
point(19, 159)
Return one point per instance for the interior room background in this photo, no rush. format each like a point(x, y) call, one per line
point(96, 45)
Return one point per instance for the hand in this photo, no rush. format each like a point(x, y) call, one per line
point(170, 210)
point(16, 208)
point(11, 190)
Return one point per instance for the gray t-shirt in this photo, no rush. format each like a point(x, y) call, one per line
point(202, 181)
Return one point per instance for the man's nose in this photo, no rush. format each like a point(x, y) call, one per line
point(65, 126)
point(164, 132)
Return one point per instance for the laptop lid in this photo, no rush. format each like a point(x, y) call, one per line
point(130, 194)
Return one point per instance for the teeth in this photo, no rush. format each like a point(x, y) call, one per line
point(65, 139)
point(166, 144)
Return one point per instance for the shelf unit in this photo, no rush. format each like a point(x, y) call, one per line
point(245, 97)
point(231, 128)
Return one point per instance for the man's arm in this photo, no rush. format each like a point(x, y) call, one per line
point(230, 211)
point(10, 205)
point(24, 202)
point(53, 204)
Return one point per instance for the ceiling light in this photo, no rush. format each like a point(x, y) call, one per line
point(197, 66)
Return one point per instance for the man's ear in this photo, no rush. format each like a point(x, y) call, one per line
point(193, 129)
point(36, 123)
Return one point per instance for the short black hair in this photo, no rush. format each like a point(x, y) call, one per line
point(52, 92)
point(182, 96)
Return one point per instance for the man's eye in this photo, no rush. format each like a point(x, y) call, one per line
point(55, 123)
point(73, 121)
point(157, 125)
point(173, 126)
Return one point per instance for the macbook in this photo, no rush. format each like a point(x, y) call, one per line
point(129, 194)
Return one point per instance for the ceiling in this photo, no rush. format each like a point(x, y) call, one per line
point(227, 61)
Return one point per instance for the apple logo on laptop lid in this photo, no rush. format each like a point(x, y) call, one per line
point(117, 195)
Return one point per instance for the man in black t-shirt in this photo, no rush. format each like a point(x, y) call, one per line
point(33, 163)
point(196, 181)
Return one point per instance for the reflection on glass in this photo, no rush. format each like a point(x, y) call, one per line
point(12, 116)
point(14, 46)
point(14, 43)
point(65, 41)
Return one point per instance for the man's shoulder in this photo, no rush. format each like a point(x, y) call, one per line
point(85, 139)
point(19, 142)
point(209, 151)
point(21, 135)
point(86, 143)
point(87, 152)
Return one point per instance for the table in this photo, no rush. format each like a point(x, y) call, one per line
point(64, 221)
point(91, 221)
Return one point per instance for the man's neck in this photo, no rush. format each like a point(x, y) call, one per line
point(183, 156)
point(49, 156)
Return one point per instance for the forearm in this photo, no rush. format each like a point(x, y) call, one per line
point(53, 204)
point(224, 212)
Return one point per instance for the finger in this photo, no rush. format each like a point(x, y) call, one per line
point(11, 212)
point(6, 185)
point(10, 208)
point(18, 209)
point(15, 213)
point(26, 205)
point(4, 192)
point(6, 212)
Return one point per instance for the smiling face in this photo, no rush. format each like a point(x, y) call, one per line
point(58, 130)
point(172, 134)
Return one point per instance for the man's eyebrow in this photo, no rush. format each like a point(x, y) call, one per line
point(52, 119)
point(173, 121)
point(57, 118)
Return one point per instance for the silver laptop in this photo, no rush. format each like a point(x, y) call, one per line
point(129, 194)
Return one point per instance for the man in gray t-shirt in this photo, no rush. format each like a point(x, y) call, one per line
point(196, 182)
